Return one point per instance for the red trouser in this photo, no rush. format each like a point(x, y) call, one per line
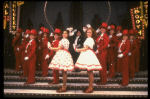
point(136, 60)
point(131, 66)
point(123, 63)
point(31, 69)
point(39, 59)
point(44, 68)
point(102, 59)
point(18, 60)
point(56, 76)
point(24, 64)
point(110, 59)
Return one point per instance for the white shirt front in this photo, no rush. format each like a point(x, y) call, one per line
point(75, 42)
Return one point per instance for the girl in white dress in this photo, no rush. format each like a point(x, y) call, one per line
point(87, 58)
point(62, 59)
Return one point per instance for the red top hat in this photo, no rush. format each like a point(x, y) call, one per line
point(34, 32)
point(119, 28)
point(57, 31)
point(27, 31)
point(19, 30)
point(112, 27)
point(104, 25)
point(41, 28)
point(125, 32)
point(45, 30)
point(131, 32)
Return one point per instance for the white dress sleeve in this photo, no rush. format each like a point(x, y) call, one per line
point(89, 42)
point(64, 43)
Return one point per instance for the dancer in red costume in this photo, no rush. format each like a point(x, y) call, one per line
point(30, 59)
point(16, 43)
point(45, 51)
point(39, 52)
point(23, 54)
point(111, 55)
point(55, 43)
point(119, 38)
point(137, 55)
point(131, 54)
point(102, 44)
point(123, 58)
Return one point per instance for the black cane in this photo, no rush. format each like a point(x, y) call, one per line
point(114, 61)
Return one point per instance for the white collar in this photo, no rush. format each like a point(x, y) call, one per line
point(31, 40)
point(102, 34)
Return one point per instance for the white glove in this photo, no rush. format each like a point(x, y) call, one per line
point(52, 34)
point(49, 45)
point(69, 29)
point(119, 34)
point(40, 32)
point(108, 27)
point(26, 58)
point(47, 56)
point(110, 36)
point(120, 55)
point(96, 51)
point(88, 25)
point(18, 49)
point(129, 54)
point(98, 30)
point(84, 29)
point(27, 36)
point(108, 45)
point(75, 30)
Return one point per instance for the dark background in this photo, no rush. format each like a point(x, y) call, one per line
point(76, 14)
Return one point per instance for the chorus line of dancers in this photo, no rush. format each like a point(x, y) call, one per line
point(108, 47)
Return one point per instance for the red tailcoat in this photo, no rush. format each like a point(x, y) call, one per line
point(137, 55)
point(45, 51)
point(123, 62)
point(133, 49)
point(55, 43)
point(23, 54)
point(102, 44)
point(39, 53)
point(111, 55)
point(16, 43)
point(30, 52)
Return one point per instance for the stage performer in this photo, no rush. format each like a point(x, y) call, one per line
point(111, 55)
point(30, 58)
point(23, 54)
point(88, 59)
point(131, 54)
point(16, 43)
point(45, 51)
point(137, 55)
point(102, 44)
point(62, 60)
point(119, 39)
point(55, 43)
point(78, 41)
point(39, 51)
point(123, 58)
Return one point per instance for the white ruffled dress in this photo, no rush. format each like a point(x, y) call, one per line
point(62, 60)
point(88, 59)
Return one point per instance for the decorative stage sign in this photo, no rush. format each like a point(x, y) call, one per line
point(139, 16)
